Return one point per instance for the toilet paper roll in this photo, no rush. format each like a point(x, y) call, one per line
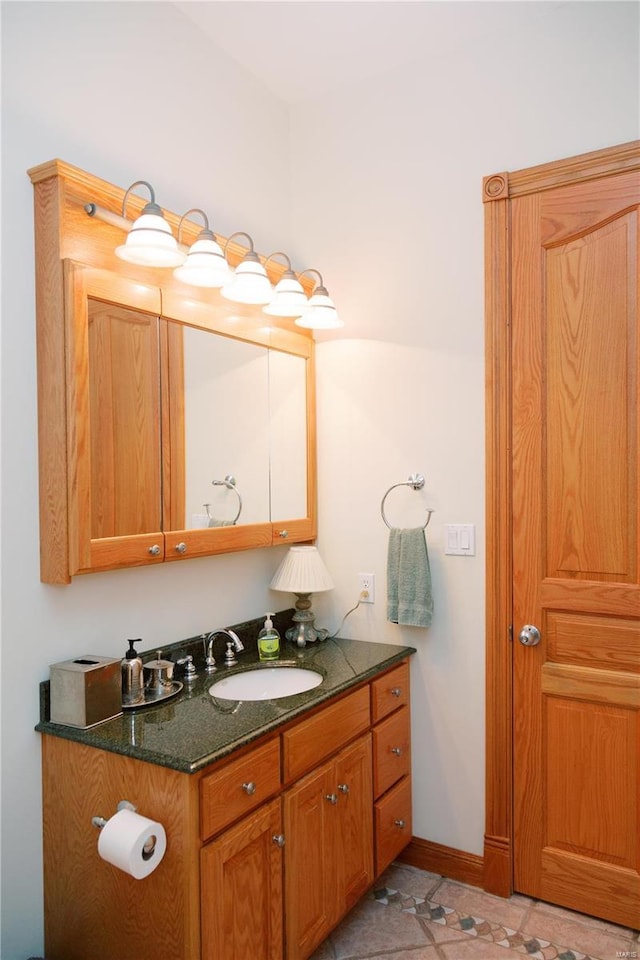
point(132, 843)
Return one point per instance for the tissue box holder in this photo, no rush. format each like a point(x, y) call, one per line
point(85, 691)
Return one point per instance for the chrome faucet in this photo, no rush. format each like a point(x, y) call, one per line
point(235, 645)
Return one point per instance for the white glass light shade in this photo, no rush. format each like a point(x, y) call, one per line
point(320, 313)
point(205, 265)
point(150, 242)
point(302, 571)
point(289, 298)
point(250, 283)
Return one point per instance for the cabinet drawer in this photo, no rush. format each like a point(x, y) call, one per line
point(393, 823)
point(390, 691)
point(309, 742)
point(239, 787)
point(391, 750)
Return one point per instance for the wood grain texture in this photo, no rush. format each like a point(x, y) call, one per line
point(588, 602)
point(391, 750)
point(242, 890)
point(309, 742)
point(393, 824)
point(223, 797)
point(86, 898)
point(390, 692)
point(449, 862)
point(69, 443)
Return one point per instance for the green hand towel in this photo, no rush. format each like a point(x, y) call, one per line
point(409, 596)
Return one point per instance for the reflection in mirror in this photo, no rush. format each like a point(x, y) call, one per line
point(288, 416)
point(226, 430)
point(124, 421)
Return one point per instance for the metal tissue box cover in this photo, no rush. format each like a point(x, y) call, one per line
point(85, 691)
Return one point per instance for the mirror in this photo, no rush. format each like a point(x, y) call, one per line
point(226, 429)
point(238, 434)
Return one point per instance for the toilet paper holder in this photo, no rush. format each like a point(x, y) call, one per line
point(122, 805)
point(101, 822)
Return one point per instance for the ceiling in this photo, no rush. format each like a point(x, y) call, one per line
point(303, 49)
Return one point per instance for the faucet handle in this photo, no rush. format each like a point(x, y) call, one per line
point(189, 666)
point(229, 657)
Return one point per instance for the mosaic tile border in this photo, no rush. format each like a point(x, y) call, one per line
point(492, 932)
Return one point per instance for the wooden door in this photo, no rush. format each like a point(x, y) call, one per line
point(354, 790)
point(241, 890)
point(576, 544)
point(310, 861)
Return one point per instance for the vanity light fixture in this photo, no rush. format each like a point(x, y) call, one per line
point(289, 298)
point(320, 313)
point(249, 283)
point(205, 265)
point(150, 241)
point(303, 572)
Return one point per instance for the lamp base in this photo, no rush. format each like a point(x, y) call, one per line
point(304, 630)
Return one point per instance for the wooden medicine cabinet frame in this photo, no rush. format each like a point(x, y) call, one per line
point(75, 260)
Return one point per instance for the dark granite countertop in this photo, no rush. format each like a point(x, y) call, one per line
point(193, 729)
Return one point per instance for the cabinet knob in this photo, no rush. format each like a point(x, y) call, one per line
point(249, 788)
point(343, 787)
point(401, 824)
point(397, 751)
point(284, 534)
point(396, 691)
point(278, 839)
point(331, 797)
point(181, 547)
point(154, 550)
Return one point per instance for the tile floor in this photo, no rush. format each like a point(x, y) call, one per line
point(414, 915)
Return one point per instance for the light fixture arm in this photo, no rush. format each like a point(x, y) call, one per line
point(151, 207)
point(280, 253)
point(251, 254)
point(319, 287)
point(206, 230)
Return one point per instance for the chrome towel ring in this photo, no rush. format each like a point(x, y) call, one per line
point(416, 482)
point(230, 483)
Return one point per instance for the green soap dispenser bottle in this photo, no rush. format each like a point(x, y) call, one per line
point(268, 641)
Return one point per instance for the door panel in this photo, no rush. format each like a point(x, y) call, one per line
point(575, 482)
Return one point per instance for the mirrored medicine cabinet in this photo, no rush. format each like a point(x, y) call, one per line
point(172, 423)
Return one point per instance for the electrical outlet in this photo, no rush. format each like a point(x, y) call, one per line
point(367, 584)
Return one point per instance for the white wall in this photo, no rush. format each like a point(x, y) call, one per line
point(79, 83)
point(394, 220)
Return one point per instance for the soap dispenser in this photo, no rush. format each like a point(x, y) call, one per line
point(132, 677)
point(268, 640)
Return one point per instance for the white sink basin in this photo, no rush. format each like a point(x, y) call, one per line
point(265, 683)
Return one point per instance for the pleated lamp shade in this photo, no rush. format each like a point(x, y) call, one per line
point(302, 571)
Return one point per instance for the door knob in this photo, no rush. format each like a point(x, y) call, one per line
point(529, 636)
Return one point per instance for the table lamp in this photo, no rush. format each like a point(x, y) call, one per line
point(303, 572)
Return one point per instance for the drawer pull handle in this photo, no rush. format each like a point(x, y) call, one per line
point(249, 788)
point(331, 797)
point(181, 548)
point(396, 691)
point(397, 751)
point(154, 550)
point(343, 787)
point(278, 839)
point(400, 824)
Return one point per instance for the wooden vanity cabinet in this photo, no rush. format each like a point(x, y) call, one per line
point(111, 430)
point(267, 850)
point(391, 734)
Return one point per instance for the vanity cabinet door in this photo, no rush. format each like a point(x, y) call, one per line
point(114, 487)
point(328, 825)
point(241, 890)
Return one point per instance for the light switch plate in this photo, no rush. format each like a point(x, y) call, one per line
point(460, 539)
